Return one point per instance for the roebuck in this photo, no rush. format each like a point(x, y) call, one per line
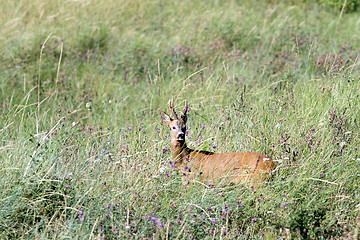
point(239, 167)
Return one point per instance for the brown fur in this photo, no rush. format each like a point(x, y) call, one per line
point(212, 167)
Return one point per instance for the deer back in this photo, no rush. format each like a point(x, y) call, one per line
point(234, 167)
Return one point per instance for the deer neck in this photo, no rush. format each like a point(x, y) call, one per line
point(180, 152)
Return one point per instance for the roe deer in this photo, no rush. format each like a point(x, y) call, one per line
point(212, 167)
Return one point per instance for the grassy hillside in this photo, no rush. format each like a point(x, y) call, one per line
point(84, 155)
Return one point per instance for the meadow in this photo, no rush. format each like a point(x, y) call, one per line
point(84, 154)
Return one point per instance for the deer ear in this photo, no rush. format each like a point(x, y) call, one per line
point(166, 118)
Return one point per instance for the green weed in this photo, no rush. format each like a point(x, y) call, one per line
point(83, 152)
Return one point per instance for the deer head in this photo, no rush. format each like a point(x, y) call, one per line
point(177, 125)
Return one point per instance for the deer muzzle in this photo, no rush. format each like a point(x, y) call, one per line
point(181, 136)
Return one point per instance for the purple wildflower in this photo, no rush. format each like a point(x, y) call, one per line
point(187, 168)
point(157, 221)
point(253, 220)
point(80, 212)
point(203, 126)
point(129, 128)
point(172, 164)
point(284, 205)
point(154, 219)
point(213, 220)
point(165, 150)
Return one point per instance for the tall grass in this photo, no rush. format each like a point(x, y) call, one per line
point(84, 154)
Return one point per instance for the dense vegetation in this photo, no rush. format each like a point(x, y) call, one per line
point(84, 155)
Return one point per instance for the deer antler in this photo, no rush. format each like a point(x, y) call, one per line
point(185, 108)
point(172, 108)
point(184, 112)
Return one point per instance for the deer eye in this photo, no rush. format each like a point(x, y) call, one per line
point(174, 127)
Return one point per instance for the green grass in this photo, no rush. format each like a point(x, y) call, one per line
point(83, 152)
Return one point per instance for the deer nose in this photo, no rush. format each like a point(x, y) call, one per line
point(181, 136)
